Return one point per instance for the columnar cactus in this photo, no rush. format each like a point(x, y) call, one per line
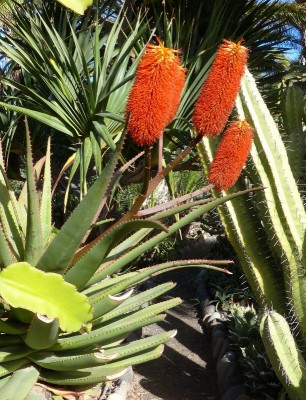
point(268, 232)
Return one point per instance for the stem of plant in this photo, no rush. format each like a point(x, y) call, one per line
point(161, 175)
point(144, 192)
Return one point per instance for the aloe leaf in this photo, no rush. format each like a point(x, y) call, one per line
point(8, 340)
point(106, 283)
point(134, 302)
point(109, 302)
point(63, 247)
point(6, 254)
point(85, 267)
point(20, 384)
point(22, 199)
point(44, 293)
point(12, 328)
point(109, 269)
point(8, 367)
point(14, 352)
point(98, 299)
point(98, 374)
point(137, 346)
point(117, 329)
point(33, 243)
point(70, 362)
point(9, 215)
point(42, 333)
point(4, 380)
point(45, 204)
point(81, 378)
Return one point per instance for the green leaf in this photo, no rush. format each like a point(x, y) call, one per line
point(45, 118)
point(118, 329)
point(78, 6)
point(87, 376)
point(63, 247)
point(42, 333)
point(87, 265)
point(73, 360)
point(33, 244)
point(44, 293)
point(125, 259)
point(24, 380)
point(45, 205)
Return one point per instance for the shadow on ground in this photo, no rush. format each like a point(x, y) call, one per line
point(185, 370)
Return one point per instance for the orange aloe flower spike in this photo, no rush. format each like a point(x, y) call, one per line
point(231, 155)
point(219, 91)
point(154, 98)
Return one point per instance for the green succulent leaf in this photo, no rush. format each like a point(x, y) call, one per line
point(44, 293)
point(72, 360)
point(33, 246)
point(23, 379)
point(92, 375)
point(86, 266)
point(78, 6)
point(63, 247)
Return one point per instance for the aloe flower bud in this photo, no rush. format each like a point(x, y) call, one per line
point(231, 155)
point(218, 94)
point(155, 95)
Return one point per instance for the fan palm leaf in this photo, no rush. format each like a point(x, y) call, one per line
point(74, 74)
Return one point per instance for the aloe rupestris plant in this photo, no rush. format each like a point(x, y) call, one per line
point(268, 230)
point(65, 311)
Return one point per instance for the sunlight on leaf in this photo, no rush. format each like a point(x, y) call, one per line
point(78, 6)
point(23, 286)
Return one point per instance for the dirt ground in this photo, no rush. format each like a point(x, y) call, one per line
point(185, 370)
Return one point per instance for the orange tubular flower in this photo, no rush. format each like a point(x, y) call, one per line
point(218, 94)
point(155, 95)
point(231, 155)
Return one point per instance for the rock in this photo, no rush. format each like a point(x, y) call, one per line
point(121, 392)
point(215, 337)
point(226, 369)
point(234, 393)
point(225, 348)
point(208, 311)
point(217, 347)
point(218, 327)
point(215, 315)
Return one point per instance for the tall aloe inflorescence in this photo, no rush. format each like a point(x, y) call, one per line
point(267, 231)
point(155, 95)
